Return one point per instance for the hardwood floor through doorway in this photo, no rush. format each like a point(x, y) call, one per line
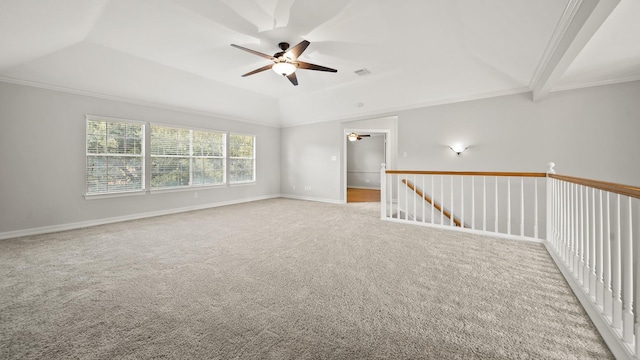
point(362, 195)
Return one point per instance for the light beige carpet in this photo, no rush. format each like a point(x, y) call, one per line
point(285, 279)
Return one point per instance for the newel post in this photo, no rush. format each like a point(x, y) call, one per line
point(549, 206)
point(383, 191)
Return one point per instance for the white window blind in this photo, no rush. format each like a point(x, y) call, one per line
point(241, 158)
point(115, 156)
point(184, 157)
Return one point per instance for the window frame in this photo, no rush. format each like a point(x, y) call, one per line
point(253, 158)
point(142, 156)
point(191, 157)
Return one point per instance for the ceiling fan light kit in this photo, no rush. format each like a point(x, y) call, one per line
point(283, 68)
point(354, 136)
point(286, 61)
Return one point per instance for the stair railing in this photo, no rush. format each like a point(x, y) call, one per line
point(590, 228)
point(594, 239)
point(507, 204)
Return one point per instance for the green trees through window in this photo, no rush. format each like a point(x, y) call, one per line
point(183, 157)
point(115, 156)
point(180, 157)
point(241, 158)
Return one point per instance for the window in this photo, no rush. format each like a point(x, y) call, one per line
point(117, 151)
point(185, 157)
point(241, 158)
point(115, 156)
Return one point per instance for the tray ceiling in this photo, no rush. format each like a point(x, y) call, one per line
point(176, 53)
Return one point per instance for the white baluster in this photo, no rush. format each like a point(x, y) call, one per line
point(636, 278)
point(567, 223)
point(521, 206)
point(433, 200)
point(535, 208)
point(599, 257)
point(399, 204)
point(473, 203)
point(608, 295)
point(627, 286)
point(550, 205)
point(442, 201)
point(393, 197)
point(415, 201)
point(484, 203)
point(574, 230)
point(585, 238)
point(616, 267)
point(570, 230)
point(496, 221)
point(451, 211)
point(423, 201)
point(592, 244)
point(509, 205)
point(383, 192)
point(462, 201)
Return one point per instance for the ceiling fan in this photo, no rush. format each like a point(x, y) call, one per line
point(353, 136)
point(286, 61)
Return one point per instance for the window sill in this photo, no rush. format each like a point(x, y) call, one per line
point(243, 183)
point(185, 188)
point(113, 195)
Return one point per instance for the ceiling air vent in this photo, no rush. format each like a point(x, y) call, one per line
point(362, 72)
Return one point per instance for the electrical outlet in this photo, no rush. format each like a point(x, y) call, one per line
point(366, 181)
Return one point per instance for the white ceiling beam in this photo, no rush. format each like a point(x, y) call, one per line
point(580, 20)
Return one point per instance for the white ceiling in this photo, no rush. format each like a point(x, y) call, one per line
point(177, 53)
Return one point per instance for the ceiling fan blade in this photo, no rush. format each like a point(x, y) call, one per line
point(253, 52)
point(297, 50)
point(307, 66)
point(293, 78)
point(266, 67)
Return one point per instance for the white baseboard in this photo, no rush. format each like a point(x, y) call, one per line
point(84, 224)
point(298, 197)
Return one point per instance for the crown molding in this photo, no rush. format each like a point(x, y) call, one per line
point(98, 95)
point(587, 84)
point(393, 111)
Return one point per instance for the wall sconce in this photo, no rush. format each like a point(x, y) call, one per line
point(458, 148)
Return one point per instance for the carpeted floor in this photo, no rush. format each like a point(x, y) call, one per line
point(285, 279)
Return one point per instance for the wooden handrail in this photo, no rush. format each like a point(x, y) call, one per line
point(431, 202)
point(468, 173)
point(627, 190)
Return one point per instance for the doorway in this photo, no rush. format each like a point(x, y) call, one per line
point(365, 152)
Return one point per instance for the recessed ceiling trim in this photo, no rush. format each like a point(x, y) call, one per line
point(586, 17)
point(128, 100)
point(393, 111)
point(556, 37)
point(595, 83)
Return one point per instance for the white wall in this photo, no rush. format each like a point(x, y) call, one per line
point(42, 161)
point(311, 158)
point(591, 132)
point(308, 171)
